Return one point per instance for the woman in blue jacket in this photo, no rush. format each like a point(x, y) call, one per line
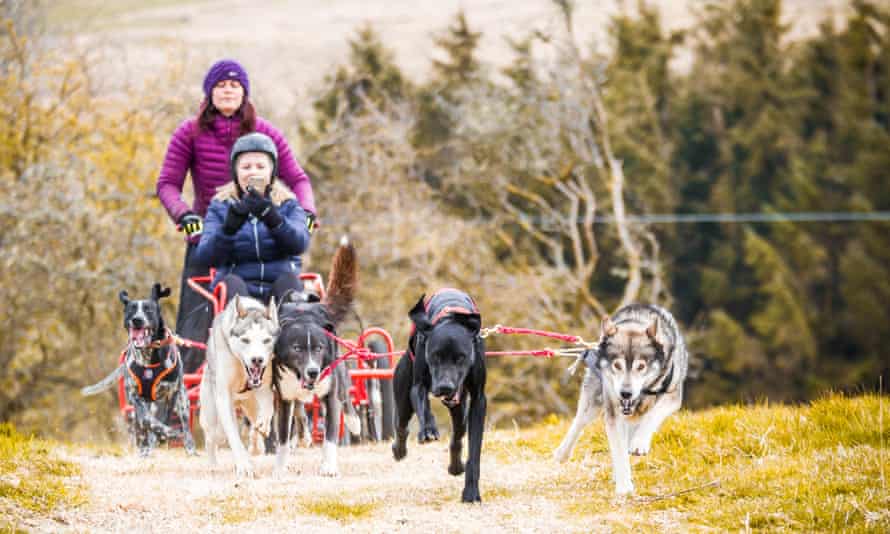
point(255, 230)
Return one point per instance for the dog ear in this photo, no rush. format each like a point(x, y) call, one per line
point(419, 317)
point(158, 292)
point(239, 309)
point(124, 296)
point(473, 321)
point(652, 330)
point(609, 328)
point(272, 312)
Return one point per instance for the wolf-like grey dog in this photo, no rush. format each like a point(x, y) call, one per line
point(240, 348)
point(635, 376)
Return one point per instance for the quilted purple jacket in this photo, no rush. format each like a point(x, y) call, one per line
point(206, 156)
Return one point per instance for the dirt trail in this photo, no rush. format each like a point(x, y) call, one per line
point(174, 493)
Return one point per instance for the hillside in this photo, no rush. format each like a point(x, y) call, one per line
point(816, 468)
point(288, 46)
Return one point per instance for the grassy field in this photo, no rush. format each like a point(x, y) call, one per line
point(822, 467)
point(35, 480)
point(816, 468)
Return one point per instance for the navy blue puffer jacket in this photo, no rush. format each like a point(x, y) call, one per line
point(255, 252)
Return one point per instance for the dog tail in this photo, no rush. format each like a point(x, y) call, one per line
point(105, 384)
point(343, 281)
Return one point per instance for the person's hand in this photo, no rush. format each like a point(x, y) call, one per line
point(311, 222)
point(235, 217)
point(262, 208)
point(256, 203)
point(191, 224)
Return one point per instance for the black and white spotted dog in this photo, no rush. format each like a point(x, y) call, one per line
point(153, 374)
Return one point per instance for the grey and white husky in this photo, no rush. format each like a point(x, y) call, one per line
point(239, 351)
point(635, 377)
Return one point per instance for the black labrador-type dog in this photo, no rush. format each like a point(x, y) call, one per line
point(153, 373)
point(445, 356)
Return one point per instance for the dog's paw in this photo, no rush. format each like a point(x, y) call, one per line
point(471, 494)
point(639, 447)
point(456, 468)
point(561, 454)
point(353, 423)
point(279, 472)
point(399, 450)
point(428, 434)
point(328, 469)
point(243, 470)
point(144, 452)
point(328, 460)
point(624, 488)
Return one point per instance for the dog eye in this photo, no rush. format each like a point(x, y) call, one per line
point(641, 366)
point(245, 340)
point(617, 365)
point(267, 340)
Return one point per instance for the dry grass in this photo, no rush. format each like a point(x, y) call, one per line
point(34, 480)
point(810, 468)
point(814, 468)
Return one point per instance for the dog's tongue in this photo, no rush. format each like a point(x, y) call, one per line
point(626, 407)
point(139, 337)
point(453, 399)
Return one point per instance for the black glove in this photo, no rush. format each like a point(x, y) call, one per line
point(235, 217)
point(311, 222)
point(262, 208)
point(190, 223)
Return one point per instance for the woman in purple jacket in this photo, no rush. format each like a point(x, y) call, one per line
point(200, 146)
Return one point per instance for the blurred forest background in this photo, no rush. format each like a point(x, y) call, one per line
point(519, 183)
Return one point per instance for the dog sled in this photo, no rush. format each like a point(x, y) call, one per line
point(370, 391)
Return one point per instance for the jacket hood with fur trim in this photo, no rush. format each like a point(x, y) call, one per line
point(280, 193)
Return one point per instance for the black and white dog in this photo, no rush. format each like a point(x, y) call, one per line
point(445, 356)
point(305, 355)
point(153, 374)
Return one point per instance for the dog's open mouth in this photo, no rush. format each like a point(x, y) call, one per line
point(140, 337)
point(627, 406)
point(254, 375)
point(309, 384)
point(453, 400)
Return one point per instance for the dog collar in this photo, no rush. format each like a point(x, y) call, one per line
point(168, 339)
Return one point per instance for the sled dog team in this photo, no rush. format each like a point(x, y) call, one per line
point(271, 349)
point(267, 359)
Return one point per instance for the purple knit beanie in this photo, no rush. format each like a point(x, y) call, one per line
point(226, 69)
